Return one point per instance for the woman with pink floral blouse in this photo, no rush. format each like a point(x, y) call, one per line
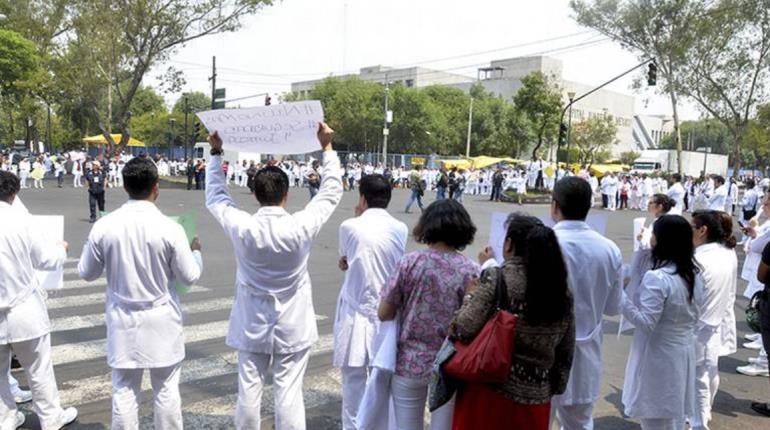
point(424, 293)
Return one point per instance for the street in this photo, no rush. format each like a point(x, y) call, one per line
point(208, 381)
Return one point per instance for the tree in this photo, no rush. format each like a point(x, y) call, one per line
point(196, 102)
point(628, 157)
point(661, 29)
point(705, 133)
point(540, 101)
point(729, 64)
point(593, 136)
point(18, 61)
point(147, 100)
point(124, 39)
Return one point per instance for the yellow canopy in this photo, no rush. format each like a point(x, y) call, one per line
point(483, 161)
point(460, 164)
point(603, 169)
point(100, 140)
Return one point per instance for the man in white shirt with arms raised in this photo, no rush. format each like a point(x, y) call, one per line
point(594, 265)
point(145, 254)
point(272, 322)
point(371, 245)
point(24, 324)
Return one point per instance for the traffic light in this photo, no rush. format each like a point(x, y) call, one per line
point(267, 100)
point(196, 131)
point(562, 135)
point(652, 74)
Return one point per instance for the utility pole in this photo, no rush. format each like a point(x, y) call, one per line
point(386, 130)
point(213, 80)
point(186, 136)
point(470, 121)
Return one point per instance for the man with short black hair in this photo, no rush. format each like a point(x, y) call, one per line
point(95, 179)
point(677, 193)
point(371, 245)
point(145, 255)
point(718, 200)
point(25, 329)
point(272, 322)
point(594, 266)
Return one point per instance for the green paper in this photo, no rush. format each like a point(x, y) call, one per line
point(189, 223)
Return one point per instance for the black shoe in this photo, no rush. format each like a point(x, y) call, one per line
point(761, 408)
point(15, 363)
point(92, 220)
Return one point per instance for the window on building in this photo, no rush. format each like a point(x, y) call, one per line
point(409, 83)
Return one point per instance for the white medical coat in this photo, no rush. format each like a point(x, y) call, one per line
point(660, 373)
point(23, 314)
point(718, 200)
point(273, 309)
point(145, 254)
point(594, 267)
point(373, 244)
point(720, 277)
point(676, 192)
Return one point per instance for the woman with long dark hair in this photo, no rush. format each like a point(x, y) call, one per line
point(716, 336)
point(535, 276)
point(659, 386)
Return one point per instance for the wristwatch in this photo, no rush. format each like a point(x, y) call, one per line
point(217, 151)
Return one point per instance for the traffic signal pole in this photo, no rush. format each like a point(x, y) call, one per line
point(213, 80)
point(581, 97)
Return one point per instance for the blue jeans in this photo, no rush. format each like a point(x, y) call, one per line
point(415, 197)
point(440, 193)
point(459, 195)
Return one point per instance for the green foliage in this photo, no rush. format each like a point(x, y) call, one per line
point(540, 101)
point(707, 133)
point(628, 157)
point(147, 100)
point(196, 102)
point(18, 61)
point(594, 138)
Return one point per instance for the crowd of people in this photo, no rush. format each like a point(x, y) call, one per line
point(399, 312)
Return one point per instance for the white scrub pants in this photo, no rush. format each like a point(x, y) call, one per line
point(35, 357)
point(126, 393)
point(612, 201)
point(244, 179)
point(706, 375)
point(288, 372)
point(409, 396)
point(23, 179)
point(575, 417)
point(353, 386)
point(662, 423)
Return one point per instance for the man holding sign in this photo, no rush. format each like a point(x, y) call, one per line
point(145, 255)
point(272, 323)
point(24, 324)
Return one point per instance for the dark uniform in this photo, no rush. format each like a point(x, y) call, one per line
point(95, 192)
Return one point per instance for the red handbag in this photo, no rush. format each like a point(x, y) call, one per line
point(487, 359)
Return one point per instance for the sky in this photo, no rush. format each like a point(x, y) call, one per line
point(296, 40)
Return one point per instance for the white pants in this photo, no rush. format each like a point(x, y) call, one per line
point(706, 375)
point(409, 396)
point(244, 179)
point(35, 357)
point(353, 386)
point(23, 179)
point(126, 393)
point(662, 424)
point(288, 371)
point(76, 181)
point(612, 201)
point(575, 417)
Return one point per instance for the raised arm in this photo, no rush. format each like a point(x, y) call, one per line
point(218, 200)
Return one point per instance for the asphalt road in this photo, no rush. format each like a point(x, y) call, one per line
point(209, 386)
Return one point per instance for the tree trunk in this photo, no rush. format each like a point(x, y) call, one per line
point(737, 140)
point(539, 142)
point(677, 133)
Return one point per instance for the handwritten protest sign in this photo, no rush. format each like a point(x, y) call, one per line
point(287, 128)
point(51, 229)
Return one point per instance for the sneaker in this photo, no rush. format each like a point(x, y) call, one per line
point(753, 370)
point(762, 361)
point(20, 418)
point(756, 345)
point(761, 408)
point(752, 337)
point(67, 417)
point(22, 396)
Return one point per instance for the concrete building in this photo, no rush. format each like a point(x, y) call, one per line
point(503, 79)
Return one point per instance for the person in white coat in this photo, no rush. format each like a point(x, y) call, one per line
point(659, 384)
point(594, 264)
point(25, 329)
point(272, 322)
point(145, 254)
point(24, 169)
point(677, 193)
point(718, 200)
point(716, 331)
point(371, 246)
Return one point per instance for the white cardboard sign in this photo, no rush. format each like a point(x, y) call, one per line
point(51, 228)
point(287, 128)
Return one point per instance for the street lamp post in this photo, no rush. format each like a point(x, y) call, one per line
point(186, 136)
point(172, 123)
point(470, 122)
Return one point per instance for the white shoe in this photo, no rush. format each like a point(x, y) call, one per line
point(752, 336)
point(22, 396)
point(755, 345)
point(67, 417)
point(753, 370)
point(20, 418)
point(761, 361)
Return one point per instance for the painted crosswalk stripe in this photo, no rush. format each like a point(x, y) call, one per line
point(79, 283)
point(99, 387)
point(55, 302)
point(86, 321)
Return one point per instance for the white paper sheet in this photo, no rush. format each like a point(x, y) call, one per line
point(51, 228)
point(638, 226)
point(287, 128)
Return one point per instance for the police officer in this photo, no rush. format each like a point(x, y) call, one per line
point(95, 179)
